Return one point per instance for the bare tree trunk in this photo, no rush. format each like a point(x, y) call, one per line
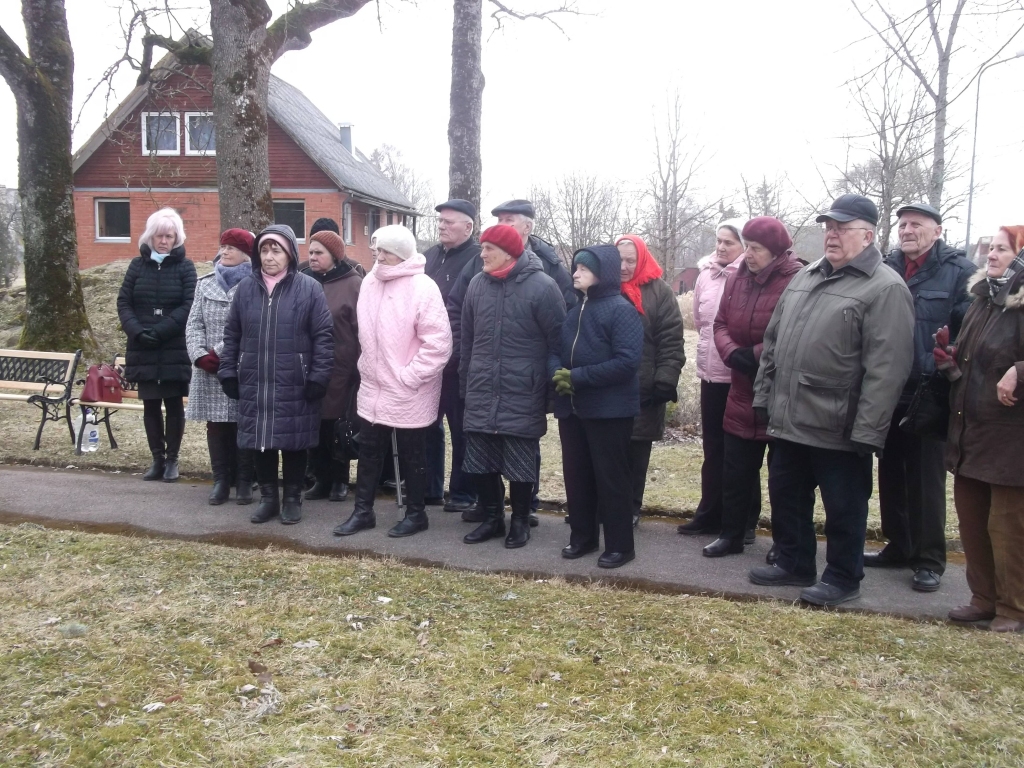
point(465, 167)
point(55, 318)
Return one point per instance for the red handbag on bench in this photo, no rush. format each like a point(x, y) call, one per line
point(102, 385)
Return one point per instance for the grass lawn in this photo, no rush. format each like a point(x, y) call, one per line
point(130, 652)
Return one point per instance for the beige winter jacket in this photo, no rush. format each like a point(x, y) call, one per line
point(837, 352)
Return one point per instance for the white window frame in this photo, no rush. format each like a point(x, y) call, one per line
point(96, 219)
point(300, 237)
point(189, 150)
point(177, 134)
point(346, 223)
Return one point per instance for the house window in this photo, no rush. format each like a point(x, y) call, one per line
point(200, 134)
point(391, 218)
point(292, 213)
point(160, 134)
point(113, 221)
point(374, 220)
point(346, 223)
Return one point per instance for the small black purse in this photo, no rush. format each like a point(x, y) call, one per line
point(345, 441)
point(928, 412)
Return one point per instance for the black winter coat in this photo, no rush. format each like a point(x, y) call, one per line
point(511, 333)
point(940, 296)
point(157, 298)
point(445, 268)
point(602, 344)
point(663, 357)
point(274, 344)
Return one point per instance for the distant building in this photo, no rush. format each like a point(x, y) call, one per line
point(159, 149)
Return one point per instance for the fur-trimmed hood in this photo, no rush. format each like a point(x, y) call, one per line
point(1011, 297)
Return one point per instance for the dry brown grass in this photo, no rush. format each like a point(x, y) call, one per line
point(461, 669)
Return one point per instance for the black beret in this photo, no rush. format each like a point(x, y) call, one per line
point(462, 206)
point(525, 207)
point(924, 208)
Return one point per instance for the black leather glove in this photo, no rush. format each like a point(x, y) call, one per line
point(230, 387)
point(743, 360)
point(148, 340)
point(663, 393)
point(315, 391)
point(863, 449)
point(761, 417)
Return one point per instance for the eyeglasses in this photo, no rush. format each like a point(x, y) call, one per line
point(837, 228)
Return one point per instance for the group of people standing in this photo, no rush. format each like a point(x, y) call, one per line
point(820, 366)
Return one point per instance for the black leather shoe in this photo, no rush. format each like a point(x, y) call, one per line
point(773, 554)
point(615, 559)
point(518, 533)
point(291, 506)
point(881, 559)
point(492, 527)
point(774, 576)
point(458, 506)
point(926, 581)
point(171, 470)
point(698, 527)
point(572, 552)
point(474, 514)
point(413, 522)
point(339, 492)
point(750, 536)
point(156, 469)
point(723, 547)
point(433, 501)
point(220, 491)
point(270, 505)
point(828, 594)
point(320, 490)
point(534, 520)
point(357, 521)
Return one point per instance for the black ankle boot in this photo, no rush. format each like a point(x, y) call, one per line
point(156, 469)
point(339, 491)
point(722, 547)
point(359, 520)
point(415, 520)
point(220, 491)
point(270, 505)
point(291, 509)
point(246, 470)
point(320, 490)
point(519, 526)
point(171, 468)
point(490, 528)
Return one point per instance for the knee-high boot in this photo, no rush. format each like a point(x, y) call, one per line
point(493, 504)
point(519, 527)
point(246, 472)
point(175, 431)
point(217, 441)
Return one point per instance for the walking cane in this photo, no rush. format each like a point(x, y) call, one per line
point(398, 476)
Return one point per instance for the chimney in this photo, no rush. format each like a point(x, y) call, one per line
point(346, 136)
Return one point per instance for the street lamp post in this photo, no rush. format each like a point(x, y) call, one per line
point(974, 148)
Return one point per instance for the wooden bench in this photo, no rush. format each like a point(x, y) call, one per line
point(129, 402)
point(45, 378)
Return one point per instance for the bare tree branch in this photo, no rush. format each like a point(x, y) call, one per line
point(502, 11)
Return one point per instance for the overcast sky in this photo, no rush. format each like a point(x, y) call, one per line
point(763, 86)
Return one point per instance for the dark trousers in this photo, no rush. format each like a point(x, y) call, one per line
point(712, 413)
point(293, 467)
point(451, 406)
point(595, 463)
point(321, 458)
point(741, 496)
point(639, 461)
point(844, 481)
point(374, 442)
point(912, 497)
point(160, 439)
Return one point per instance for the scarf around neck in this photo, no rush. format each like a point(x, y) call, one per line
point(647, 269)
point(504, 272)
point(228, 277)
point(995, 284)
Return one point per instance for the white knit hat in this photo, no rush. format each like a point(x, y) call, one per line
point(396, 239)
point(736, 225)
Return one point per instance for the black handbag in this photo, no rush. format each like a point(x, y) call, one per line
point(928, 412)
point(345, 441)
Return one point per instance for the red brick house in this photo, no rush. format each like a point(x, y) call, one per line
point(158, 149)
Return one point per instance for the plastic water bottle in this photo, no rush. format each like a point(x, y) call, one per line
point(92, 433)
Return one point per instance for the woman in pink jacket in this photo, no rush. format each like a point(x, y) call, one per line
point(715, 375)
point(405, 340)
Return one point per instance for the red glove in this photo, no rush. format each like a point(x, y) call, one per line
point(945, 355)
point(209, 362)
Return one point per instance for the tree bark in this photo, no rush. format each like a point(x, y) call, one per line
point(465, 167)
point(55, 318)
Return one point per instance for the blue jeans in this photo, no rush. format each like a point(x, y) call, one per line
point(451, 406)
point(844, 480)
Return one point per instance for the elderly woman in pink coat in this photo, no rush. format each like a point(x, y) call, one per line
point(405, 340)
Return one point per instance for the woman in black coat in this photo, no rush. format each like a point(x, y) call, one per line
point(153, 305)
point(277, 362)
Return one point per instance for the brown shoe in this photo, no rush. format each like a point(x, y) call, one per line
point(1003, 624)
point(968, 613)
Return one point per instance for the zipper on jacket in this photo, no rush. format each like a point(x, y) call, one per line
point(266, 378)
point(572, 352)
point(302, 365)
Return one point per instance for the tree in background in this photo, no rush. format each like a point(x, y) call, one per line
point(388, 160)
point(42, 83)
point(10, 234)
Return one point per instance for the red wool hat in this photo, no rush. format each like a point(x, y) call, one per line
point(769, 232)
point(240, 238)
point(505, 237)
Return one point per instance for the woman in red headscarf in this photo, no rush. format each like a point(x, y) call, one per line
point(663, 355)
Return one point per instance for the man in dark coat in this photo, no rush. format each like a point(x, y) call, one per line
point(911, 472)
point(445, 262)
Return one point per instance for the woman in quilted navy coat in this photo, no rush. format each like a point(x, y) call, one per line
point(153, 306)
point(599, 396)
point(277, 362)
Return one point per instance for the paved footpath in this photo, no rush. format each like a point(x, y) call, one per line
point(666, 562)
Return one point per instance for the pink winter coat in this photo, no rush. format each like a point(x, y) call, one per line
point(405, 340)
point(707, 294)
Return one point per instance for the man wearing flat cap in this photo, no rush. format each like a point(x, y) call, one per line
point(445, 262)
point(911, 471)
point(837, 352)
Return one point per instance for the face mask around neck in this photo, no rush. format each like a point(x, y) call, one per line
point(158, 257)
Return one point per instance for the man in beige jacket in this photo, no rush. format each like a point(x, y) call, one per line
point(836, 355)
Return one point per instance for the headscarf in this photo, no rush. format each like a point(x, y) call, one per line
point(1016, 237)
point(647, 269)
